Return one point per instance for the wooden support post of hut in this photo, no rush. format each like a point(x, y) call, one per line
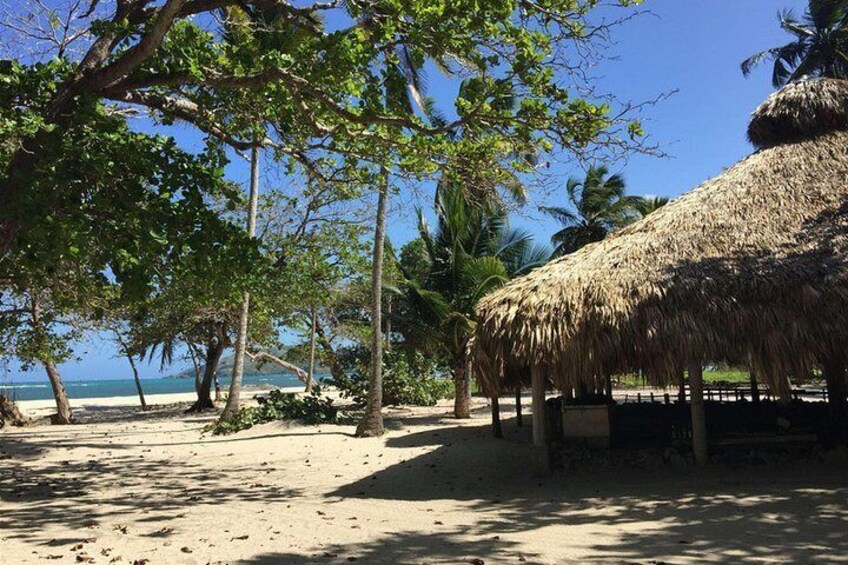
point(519, 418)
point(755, 389)
point(699, 421)
point(497, 431)
point(834, 374)
point(540, 443)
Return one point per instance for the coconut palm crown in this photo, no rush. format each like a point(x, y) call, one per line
point(819, 47)
point(598, 205)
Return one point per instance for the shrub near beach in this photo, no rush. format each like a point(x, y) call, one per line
point(410, 379)
point(314, 408)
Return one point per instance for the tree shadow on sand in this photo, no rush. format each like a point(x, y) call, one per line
point(449, 546)
point(152, 490)
point(792, 512)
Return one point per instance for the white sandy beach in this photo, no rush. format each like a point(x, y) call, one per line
point(85, 407)
point(153, 488)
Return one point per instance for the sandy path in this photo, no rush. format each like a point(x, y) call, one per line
point(431, 491)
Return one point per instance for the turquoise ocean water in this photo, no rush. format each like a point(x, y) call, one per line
point(103, 388)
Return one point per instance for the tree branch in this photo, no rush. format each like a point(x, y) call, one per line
point(265, 356)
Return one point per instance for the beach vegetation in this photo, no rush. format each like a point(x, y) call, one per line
point(312, 409)
point(597, 205)
point(409, 379)
point(819, 46)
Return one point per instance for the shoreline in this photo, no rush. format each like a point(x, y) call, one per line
point(42, 408)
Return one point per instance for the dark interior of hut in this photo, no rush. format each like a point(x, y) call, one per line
point(740, 430)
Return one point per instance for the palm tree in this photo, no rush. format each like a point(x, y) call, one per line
point(472, 251)
point(403, 89)
point(819, 47)
point(649, 204)
point(599, 204)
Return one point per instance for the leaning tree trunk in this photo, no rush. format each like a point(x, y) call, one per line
point(372, 422)
point(310, 376)
point(138, 386)
point(127, 353)
point(10, 413)
point(63, 408)
point(462, 398)
point(232, 406)
point(204, 394)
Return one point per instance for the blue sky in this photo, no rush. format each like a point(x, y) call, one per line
point(692, 46)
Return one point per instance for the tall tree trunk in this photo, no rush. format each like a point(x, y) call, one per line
point(232, 406)
point(310, 377)
point(462, 398)
point(125, 349)
point(388, 323)
point(63, 408)
point(213, 357)
point(198, 376)
point(138, 386)
point(372, 422)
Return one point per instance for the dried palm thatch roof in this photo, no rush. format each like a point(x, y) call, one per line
point(749, 267)
point(801, 110)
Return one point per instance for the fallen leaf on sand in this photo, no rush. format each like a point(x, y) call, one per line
point(121, 528)
point(245, 536)
point(84, 558)
point(53, 556)
point(185, 550)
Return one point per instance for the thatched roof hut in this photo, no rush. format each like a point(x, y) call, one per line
point(749, 267)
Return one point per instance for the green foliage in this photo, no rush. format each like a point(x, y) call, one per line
point(112, 220)
point(310, 409)
point(819, 47)
point(409, 379)
point(471, 252)
point(597, 206)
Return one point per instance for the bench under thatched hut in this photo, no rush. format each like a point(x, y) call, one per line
point(750, 267)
